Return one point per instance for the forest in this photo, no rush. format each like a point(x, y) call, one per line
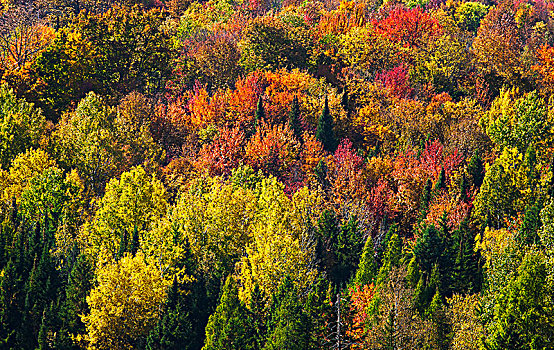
point(277, 174)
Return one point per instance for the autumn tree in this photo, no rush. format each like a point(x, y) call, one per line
point(125, 304)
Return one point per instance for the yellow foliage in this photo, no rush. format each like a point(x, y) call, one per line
point(281, 243)
point(467, 328)
point(125, 304)
point(135, 201)
point(23, 169)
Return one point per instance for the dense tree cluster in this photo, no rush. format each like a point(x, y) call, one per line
point(232, 174)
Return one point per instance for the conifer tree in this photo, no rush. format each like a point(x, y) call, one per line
point(367, 267)
point(476, 170)
point(294, 119)
point(441, 181)
point(228, 327)
point(174, 330)
point(288, 326)
point(325, 133)
point(80, 282)
point(259, 116)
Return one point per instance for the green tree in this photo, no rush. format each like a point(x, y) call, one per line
point(294, 119)
point(228, 328)
point(131, 205)
point(288, 326)
point(21, 126)
point(367, 267)
point(325, 133)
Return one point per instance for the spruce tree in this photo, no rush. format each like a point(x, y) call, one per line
point(259, 116)
point(135, 241)
point(367, 267)
point(441, 181)
point(476, 170)
point(80, 282)
point(294, 119)
point(325, 133)
point(289, 326)
point(228, 327)
point(174, 329)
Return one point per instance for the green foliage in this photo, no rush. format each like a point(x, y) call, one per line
point(228, 328)
point(21, 126)
point(518, 122)
point(367, 267)
point(469, 15)
point(288, 326)
point(325, 131)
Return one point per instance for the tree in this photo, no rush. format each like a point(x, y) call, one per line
point(325, 133)
point(367, 267)
point(125, 304)
point(523, 318)
point(113, 52)
point(21, 126)
point(174, 330)
point(86, 140)
point(131, 205)
point(294, 119)
point(288, 326)
point(228, 328)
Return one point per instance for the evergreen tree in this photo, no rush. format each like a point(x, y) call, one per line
point(476, 170)
point(289, 326)
point(294, 119)
point(466, 273)
point(11, 305)
point(135, 241)
point(175, 329)
point(528, 232)
point(328, 231)
point(79, 284)
point(367, 267)
point(123, 243)
point(325, 133)
point(441, 181)
point(228, 327)
point(259, 116)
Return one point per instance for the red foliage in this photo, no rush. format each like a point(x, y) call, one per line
point(346, 174)
point(410, 27)
point(396, 81)
point(223, 154)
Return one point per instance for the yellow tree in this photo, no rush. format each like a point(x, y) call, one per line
point(282, 240)
point(127, 213)
point(215, 218)
point(125, 304)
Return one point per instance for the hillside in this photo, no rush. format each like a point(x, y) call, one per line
point(276, 174)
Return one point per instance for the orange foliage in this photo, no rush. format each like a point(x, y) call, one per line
point(350, 14)
point(223, 154)
point(545, 68)
point(273, 149)
point(361, 298)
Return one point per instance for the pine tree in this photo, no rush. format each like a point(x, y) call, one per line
point(325, 133)
point(175, 329)
point(259, 116)
point(367, 267)
point(528, 232)
point(80, 282)
point(294, 119)
point(11, 305)
point(441, 181)
point(288, 326)
point(134, 241)
point(328, 231)
point(476, 170)
point(228, 327)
